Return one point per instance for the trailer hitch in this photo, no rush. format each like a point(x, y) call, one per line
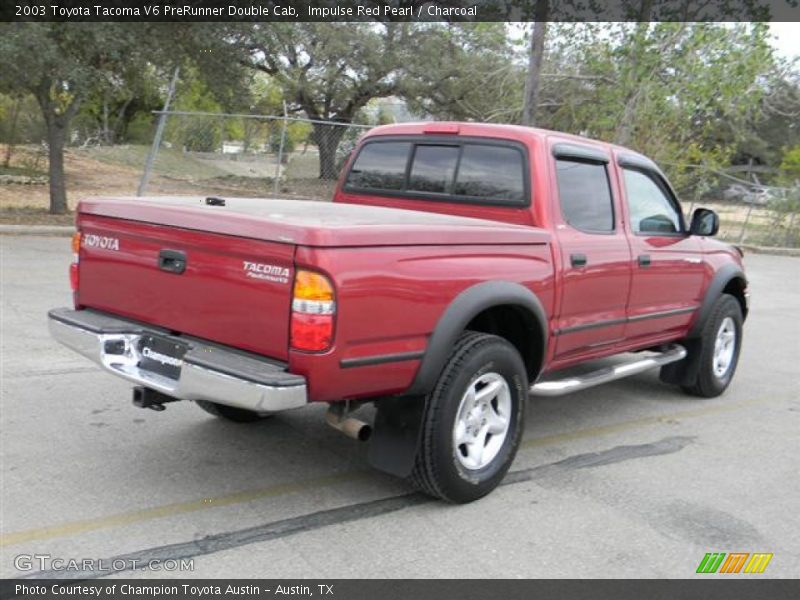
point(144, 397)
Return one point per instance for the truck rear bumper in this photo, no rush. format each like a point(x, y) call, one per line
point(205, 372)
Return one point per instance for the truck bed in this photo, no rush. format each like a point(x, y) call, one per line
point(236, 288)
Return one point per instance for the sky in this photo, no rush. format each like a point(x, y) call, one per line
point(787, 38)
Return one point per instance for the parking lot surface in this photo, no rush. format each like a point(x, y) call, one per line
point(633, 479)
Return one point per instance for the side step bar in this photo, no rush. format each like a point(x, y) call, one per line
point(559, 387)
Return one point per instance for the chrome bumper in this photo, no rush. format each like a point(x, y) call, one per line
point(208, 372)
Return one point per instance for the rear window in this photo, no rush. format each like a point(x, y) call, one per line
point(380, 166)
point(466, 171)
point(491, 172)
point(433, 168)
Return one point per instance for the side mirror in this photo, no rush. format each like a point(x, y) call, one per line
point(705, 222)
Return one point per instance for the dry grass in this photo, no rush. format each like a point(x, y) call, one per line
point(117, 171)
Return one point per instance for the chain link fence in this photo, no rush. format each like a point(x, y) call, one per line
point(282, 156)
point(248, 155)
point(750, 211)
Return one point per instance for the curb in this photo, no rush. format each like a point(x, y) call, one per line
point(769, 250)
point(52, 230)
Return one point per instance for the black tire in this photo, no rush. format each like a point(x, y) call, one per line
point(438, 471)
point(707, 383)
point(231, 413)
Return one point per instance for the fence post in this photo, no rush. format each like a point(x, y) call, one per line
point(744, 225)
point(162, 121)
point(788, 240)
point(280, 150)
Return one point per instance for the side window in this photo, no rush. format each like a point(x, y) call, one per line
point(651, 209)
point(491, 172)
point(585, 195)
point(433, 169)
point(381, 166)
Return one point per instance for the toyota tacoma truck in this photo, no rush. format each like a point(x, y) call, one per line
point(459, 268)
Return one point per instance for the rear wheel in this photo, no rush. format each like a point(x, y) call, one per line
point(718, 350)
point(473, 420)
point(231, 413)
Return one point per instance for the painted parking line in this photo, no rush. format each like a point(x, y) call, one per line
point(283, 489)
point(350, 513)
point(599, 430)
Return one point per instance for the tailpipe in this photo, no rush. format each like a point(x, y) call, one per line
point(352, 428)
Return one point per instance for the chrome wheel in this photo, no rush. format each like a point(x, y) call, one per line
point(482, 421)
point(724, 348)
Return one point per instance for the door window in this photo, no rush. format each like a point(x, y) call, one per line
point(651, 209)
point(585, 195)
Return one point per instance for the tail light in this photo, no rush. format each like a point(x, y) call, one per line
point(73, 268)
point(313, 312)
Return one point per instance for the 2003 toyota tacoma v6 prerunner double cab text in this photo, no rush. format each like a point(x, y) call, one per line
point(459, 267)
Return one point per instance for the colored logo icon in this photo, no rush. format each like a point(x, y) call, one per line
point(735, 562)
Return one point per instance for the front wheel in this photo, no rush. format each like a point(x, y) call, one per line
point(473, 420)
point(718, 351)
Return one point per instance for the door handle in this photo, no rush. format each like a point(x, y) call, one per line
point(644, 260)
point(172, 261)
point(578, 260)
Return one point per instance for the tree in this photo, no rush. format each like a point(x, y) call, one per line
point(468, 72)
point(59, 65)
point(62, 64)
point(329, 71)
point(666, 89)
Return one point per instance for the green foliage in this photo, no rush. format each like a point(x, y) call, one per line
point(20, 120)
point(790, 165)
point(666, 89)
point(327, 70)
point(468, 73)
point(64, 65)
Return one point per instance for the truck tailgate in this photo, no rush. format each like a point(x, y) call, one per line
point(232, 290)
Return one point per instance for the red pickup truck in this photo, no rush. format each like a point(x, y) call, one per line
point(459, 267)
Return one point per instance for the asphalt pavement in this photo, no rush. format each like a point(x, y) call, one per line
point(633, 479)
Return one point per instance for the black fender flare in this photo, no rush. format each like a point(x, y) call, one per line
point(722, 278)
point(465, 307)
point(685, 372)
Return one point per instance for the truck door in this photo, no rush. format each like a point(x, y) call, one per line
point(595, 256)
point(668, 266)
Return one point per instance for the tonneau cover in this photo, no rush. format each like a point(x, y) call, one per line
point(312, 223)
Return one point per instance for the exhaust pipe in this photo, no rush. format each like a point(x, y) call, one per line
point(352, 428)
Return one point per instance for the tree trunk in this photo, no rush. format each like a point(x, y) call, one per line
point(328, 138)
point(624, 129)
point(57, 120)
point(532, 83)
point(106, 131)
point(56, 137)
point(12, 134)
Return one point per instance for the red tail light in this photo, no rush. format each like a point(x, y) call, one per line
point(73, 276)
point(73, 268)
point(313, 312)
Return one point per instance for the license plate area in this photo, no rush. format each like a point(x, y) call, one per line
point(161, 355)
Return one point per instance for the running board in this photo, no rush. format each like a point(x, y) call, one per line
point(560, 387)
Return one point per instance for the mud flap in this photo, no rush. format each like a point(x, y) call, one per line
point(684, 372)
point(395, 438)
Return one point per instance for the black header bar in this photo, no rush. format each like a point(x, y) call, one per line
point(68, 11)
